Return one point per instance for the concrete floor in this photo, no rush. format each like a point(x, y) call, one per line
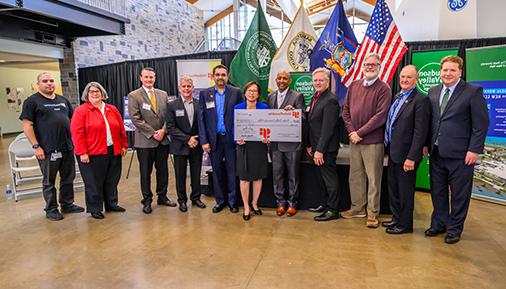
point(199, 249)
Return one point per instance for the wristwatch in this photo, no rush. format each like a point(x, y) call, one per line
point(35, 146)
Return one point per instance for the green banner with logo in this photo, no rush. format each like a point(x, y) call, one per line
point(303, 82)
point(427, 63)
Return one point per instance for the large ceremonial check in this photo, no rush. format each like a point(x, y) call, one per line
point(273, 124)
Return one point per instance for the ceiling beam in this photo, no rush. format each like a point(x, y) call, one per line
point(219, 16)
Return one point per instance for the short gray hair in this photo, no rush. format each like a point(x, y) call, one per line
point(375, 55)
point(97, 85)
point(43, 73)
point(185, 78)
point(324, 70)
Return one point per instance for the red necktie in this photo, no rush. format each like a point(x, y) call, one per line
point(315, 99)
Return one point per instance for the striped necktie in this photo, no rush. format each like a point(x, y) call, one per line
point(153, 100)
point(446, 96)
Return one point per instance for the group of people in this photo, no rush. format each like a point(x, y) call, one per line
point(451, 122)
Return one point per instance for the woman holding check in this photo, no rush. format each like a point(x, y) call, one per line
point(251, 156)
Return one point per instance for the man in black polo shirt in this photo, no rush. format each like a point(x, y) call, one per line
point(46, 123)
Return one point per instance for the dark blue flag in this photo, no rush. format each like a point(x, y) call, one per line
point(335, 49)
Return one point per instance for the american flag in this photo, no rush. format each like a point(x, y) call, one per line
point(383, 38)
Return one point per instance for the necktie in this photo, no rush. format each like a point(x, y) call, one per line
point(446, 96)
point(280, 100)
point(315, 99)
point(153, 100)
point(391, 116)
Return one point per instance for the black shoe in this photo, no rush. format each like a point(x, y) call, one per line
point(389, 224)
point(218, 208)
point(257, 212)
point(97, 215)
point(318, 209)
point(72, 209)
point(432, 232)
point(327, 216)
point(182, 207)
point(166, 202)
point(147, 209)
point(115, 209)
point(54, 215)
point(451, 239)
point(397, 230)
point(246, 217)
point(199, 204)
point(233, 209)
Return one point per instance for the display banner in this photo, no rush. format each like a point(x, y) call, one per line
point(427, 63)
point(486, 66)
point(303, 82)
point(199, 70)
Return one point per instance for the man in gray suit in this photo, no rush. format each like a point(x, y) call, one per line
point(285, 155)
point(147, 108)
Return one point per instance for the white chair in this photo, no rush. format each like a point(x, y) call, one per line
point(26, 176)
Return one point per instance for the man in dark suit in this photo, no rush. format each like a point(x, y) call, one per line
point(147, 108)
point(405, 135)
point(458, 130)
point(183, 130)
point(285, 154)
point(216, 111)
point(322, 135)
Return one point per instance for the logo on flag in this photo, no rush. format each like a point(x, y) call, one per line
point(299, 51)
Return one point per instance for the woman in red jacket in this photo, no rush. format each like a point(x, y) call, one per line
point(100, 141)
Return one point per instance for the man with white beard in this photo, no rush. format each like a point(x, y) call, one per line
point(365, 113)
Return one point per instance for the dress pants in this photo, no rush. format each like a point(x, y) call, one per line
point(401, 193)
point(288, 162)
point(66, 166)
point(223, 150)
point(101, 177)
point(147, 157)
point(366, 170)
point(180, 165)
point(328, 173)
point(450, 179)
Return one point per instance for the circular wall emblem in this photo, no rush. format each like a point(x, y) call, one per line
point(299, 51)
point(428, 76)
point(259, 50)
point(457, 5)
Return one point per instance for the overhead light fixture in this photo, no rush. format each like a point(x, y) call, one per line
point(1, 60)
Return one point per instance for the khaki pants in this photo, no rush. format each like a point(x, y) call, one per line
point(366, 169)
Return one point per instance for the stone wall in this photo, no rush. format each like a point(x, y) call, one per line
point(157, 29)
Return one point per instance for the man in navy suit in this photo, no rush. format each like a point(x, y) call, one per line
point(458, 130)
point(216, 109)
point(406, 131)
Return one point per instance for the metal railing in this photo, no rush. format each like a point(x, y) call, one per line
point(117, 7)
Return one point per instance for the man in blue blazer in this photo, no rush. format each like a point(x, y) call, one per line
point(216, 109)
point(458, 129)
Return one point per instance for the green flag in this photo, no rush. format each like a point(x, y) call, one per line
point(252, 62)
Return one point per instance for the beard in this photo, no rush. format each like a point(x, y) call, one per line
point(371, 75)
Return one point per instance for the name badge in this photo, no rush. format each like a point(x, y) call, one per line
point(146, 106)
point(55, 156)
point(210, 104)
point(180, 112)
point(308, 109)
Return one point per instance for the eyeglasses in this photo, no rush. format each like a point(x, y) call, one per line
point(371, 64)
point(252, 90)
point(93, 91)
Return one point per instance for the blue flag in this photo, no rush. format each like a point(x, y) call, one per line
point(335, 49)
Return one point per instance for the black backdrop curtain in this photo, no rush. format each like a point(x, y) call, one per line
point(121, 78)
